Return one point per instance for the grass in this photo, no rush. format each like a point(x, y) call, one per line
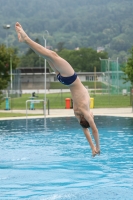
point(58, 85)
point(58, 101)
point(111, 101)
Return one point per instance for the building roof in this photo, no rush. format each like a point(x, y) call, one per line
point(39, 70)
point(33, 70)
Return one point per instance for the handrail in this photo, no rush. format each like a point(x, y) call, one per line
point(37, 101)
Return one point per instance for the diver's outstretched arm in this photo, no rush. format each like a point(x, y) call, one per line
point(94, 149)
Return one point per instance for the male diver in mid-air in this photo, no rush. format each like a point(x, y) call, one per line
point(66, 75)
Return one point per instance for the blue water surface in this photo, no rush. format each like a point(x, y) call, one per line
point(54, 162)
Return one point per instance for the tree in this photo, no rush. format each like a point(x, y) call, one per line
point(128, 69)
point(60, 46)
point(5, 58)
point(94, 23)
point(31, 59)
point(84, 59)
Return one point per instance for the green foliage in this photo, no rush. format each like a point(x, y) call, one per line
point(60, 46)
point(84, 59)
point(31, 59)
point(85, 23)
point(128, 69)
point(7, 55)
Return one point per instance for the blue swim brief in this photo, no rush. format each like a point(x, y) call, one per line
point(67, 80)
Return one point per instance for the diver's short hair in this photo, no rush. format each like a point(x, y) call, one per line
point(84, 123)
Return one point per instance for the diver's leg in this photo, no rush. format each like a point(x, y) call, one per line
point(58, 63)
point(52, 67)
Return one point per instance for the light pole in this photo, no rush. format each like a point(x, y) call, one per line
point(11, 71)
point(7, 26)
point(44, 38)
point(117, 75)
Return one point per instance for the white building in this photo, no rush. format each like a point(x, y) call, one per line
point(33, 78)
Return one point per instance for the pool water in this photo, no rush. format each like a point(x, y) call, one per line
point(55, 162)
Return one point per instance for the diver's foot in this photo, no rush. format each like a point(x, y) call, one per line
point(22, 36)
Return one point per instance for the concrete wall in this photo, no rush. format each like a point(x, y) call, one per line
point(35, 81)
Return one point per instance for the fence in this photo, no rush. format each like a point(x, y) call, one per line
point(112, 78)
point(14, 86)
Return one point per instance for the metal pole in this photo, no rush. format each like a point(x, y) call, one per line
point(95, 79)
point(108, 78)
point(132, 105)
point(45, 82)
point(117, 77)
point(26, 114)
point(6, 27)
point(6, 40)
point(11, 80)
point(11, 71)
point(48, 106)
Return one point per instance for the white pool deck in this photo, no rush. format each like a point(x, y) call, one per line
point(120, 112)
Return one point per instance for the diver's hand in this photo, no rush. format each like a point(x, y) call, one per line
point(95, 151)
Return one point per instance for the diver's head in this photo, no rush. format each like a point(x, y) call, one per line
point(83, 122)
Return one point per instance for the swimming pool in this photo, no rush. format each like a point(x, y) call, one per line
point(55, 163)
